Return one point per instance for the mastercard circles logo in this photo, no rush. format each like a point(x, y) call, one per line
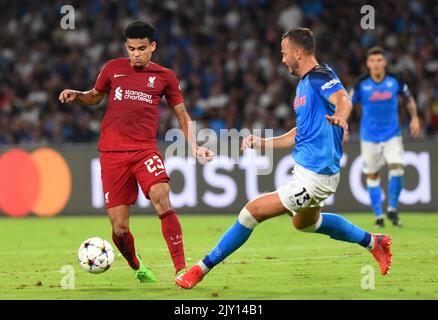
point(38, 182)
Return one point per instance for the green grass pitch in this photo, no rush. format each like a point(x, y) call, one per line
point(277, 262)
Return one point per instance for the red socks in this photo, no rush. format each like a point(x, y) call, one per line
point(125, 244)
point(172, 233)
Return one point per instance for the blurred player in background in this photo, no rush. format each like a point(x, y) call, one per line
point(381, 141)
point(322, 107)
point(129, 154)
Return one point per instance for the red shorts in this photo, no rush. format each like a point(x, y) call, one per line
point(122, 170)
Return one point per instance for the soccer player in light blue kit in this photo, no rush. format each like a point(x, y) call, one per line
point(322, 107)
point(381, 141)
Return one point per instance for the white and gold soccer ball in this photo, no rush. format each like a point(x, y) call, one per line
point(95, 255)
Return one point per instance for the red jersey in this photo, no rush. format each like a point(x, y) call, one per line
point(131, 118)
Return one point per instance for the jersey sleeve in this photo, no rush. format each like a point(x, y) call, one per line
point(403, 88)
point(172, 91)
point(325, 83)
point(103, 82)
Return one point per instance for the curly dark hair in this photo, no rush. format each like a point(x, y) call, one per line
point(140, 30)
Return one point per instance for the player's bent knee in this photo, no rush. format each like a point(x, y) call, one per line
point(119, 222)
point(161, 201)
point(309, 229)
point(120, 229)
point(158, 192)
point(160, 197)
point(306, 225)
point(254, 210)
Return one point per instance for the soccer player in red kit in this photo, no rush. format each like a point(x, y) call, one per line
point(127, 145)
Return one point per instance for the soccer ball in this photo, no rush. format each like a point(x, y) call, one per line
point(95, 255)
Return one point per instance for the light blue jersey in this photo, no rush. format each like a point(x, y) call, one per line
point(379, 121)
point(318, 144)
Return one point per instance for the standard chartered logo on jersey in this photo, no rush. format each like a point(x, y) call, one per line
point(120, 94)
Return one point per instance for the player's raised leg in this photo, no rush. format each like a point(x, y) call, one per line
point(338, 228)
point(262, 208)
point(170, 225)
point(124, 241)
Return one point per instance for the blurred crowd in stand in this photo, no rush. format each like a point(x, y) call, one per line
point(225, 53)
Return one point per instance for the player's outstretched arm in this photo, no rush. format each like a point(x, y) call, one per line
point(88, 98)
point(203, 155)
point(286, 140)
point(343, 105)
